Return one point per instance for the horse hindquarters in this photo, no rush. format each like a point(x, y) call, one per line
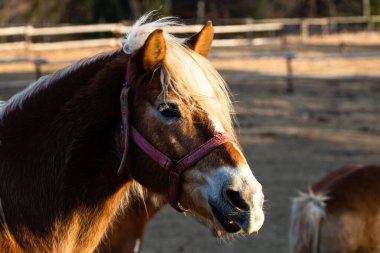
point(314, 230)
point(307, 213)
point(348, 222)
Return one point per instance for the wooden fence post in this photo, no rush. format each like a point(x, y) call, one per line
point(289, 72)
point(249, 21)
point(304, 30)
point(118, 33)
point(325, 27)
point(284, 39)
point(28, 39)
point(37, 65)
point(366, 4)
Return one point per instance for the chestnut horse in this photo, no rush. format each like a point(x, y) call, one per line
point(341, 213)
point(155, 113)
point(126, 233)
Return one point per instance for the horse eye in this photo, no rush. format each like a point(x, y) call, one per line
point(169, 110)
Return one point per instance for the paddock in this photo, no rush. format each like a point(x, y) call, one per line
point(290, 141)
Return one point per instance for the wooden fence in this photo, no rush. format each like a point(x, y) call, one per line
point(276, 26)
point(250, 26)
point(28, 32)
point(289, 58)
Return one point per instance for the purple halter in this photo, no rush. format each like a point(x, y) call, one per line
point(175, 168)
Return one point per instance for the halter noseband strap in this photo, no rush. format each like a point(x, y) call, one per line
point(175, 168)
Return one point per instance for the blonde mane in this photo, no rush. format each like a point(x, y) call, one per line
point(185, 72)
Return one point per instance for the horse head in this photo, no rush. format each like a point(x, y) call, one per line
point(179, 119)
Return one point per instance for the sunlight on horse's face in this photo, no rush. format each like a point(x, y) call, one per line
point(220, 189)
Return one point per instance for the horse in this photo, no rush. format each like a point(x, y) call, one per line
point(154, 113)
point(340, 213)
point(126, 233)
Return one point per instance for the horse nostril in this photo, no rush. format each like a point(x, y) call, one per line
point(236, 199)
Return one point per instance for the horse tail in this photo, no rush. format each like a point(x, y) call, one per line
point(307, 213)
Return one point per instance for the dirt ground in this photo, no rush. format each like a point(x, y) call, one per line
point(290, 140)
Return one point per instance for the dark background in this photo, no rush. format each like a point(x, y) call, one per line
point(53, 12)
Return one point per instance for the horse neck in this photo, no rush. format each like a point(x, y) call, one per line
point(127, 234)
point(59, 151)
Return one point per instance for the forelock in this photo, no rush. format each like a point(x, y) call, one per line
point(189, 75)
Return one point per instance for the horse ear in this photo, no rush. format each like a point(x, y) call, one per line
point(154, 50)
point(201, 42)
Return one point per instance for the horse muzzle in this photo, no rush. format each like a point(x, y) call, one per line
point(234, 219)
point(236, 201)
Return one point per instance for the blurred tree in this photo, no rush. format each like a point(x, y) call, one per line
point(375, 7)
point(110, 11)
point(313, 8)
point(51, 12)
point(135, 8)
point(45, 13)
point(12, 11)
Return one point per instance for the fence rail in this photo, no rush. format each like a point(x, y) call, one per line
point(120, 28)
point(250, 26)
point(28, 32)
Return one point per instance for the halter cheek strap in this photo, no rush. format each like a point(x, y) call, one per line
point(175, 168)
point(124, 104)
